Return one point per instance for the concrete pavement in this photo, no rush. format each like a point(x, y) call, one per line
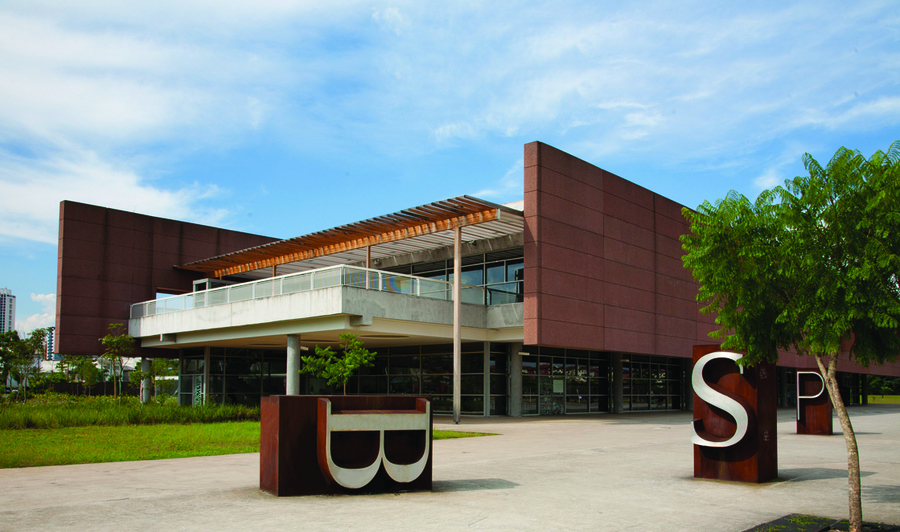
point(596, 472)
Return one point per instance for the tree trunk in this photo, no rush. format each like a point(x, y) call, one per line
point(849, 438)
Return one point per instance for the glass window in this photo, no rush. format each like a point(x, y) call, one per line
point(529, 406)
point(432, 364)
point(498, 406)
point(498, 384)
point(404, 385)
point(403, 365)
point(576, 404)
point(515, 270)
point(216, 364)
point(373, 384)
point(600, 386)
point(559, 366)
point(437, 384)
point(498, 363)
point(473, 362)
point(442, 404)
point(473, 275)
point(192, 365)
point(273, 386)
point(529, 365)
point(472, 384)
point(494, 273)
point(472, 404)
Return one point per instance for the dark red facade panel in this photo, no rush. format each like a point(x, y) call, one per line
point(603, 262)
point(110, 259)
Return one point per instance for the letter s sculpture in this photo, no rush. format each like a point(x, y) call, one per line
point(712, 397)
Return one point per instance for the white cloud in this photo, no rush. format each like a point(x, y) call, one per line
point(390, 19)
point(45, 318)
point(86, 85)
point(447, 133)
point(30, 194)
point(770, 178)
point(510, 187)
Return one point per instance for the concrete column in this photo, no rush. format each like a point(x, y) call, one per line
point(487, 379)
point(686, 387)
point(617, 390)
point(515, 379)
point(457, 329)
point(292, 384)
point(145, 382)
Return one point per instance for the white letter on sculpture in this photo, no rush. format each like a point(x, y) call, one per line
point(712, 397)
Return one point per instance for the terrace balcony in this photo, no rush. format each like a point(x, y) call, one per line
point(337, 298)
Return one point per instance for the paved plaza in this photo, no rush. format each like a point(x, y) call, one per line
point(595, 472)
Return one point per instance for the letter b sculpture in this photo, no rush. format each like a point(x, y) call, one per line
point(339, 444)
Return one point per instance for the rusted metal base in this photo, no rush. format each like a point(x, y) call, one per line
point(814, 413)
point(291, 444)
point(755, 457)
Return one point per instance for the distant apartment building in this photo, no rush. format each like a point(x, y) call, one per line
point(7, 310)
point(50, 351)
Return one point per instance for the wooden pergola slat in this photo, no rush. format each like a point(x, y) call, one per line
point(410, 223)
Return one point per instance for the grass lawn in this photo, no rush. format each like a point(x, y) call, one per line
point(95, 444)
point(884, 400)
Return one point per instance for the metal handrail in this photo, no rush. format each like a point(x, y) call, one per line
point(329, 277)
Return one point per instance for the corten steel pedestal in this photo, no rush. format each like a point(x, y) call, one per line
point(814, 414)
point(754, 458)
point(292, 443)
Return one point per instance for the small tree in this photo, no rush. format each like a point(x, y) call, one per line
point(86, 372)
point(325, 364)
point(811, 266)
point(118, 344)
point(21, 357)
point(8, 354)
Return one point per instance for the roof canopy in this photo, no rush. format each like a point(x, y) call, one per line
point(417, 229)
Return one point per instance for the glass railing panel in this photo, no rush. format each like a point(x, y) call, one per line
point(433, 289)
point(501, 294)
point(327, 278)
point(263, 289)
point(396, 284)
point(295, 283)
point(473, 295)
point(354, 277)
point(240, 292)
point(218, 296)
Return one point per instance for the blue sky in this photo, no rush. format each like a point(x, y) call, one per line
point(282, 118)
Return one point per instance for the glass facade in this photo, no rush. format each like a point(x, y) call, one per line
point(564, 381)
point(230, 375)
point(554, 380)
point(651, 383)
point(501, 273)
point(242, 376)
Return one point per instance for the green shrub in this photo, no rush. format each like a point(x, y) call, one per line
point(53, 410)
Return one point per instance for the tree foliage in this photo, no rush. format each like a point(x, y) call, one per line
point(325, 364)
point(811, 266)
point(118, 345)
point(20, 357)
